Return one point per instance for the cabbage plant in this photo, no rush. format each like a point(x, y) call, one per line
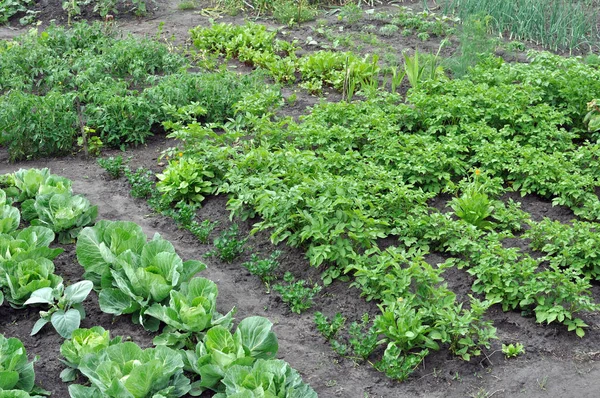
point(266, 378)
point(124, 370)
point(220, 350)
point(21, 278)
point(64, 213)
point(30, 242)
point(10, 217)
point(82, 342)
point(191, 310)
point(133, 274)
point(32, 182)
point(16, 372)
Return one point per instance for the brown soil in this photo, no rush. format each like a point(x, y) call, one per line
point(556, 363)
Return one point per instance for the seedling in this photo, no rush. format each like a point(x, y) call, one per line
point(141, 182)
point(329, 329)
point(298, 296)
point(265, 268)
point(202, 230)
point(227, 245)
point(66, 311)
point(513, 350)
point(114, 166)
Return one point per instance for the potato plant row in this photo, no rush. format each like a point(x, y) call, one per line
point(351, 173)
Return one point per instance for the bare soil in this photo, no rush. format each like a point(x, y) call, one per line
point(556, 364)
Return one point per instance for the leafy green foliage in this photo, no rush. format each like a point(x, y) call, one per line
point(296, 294)
point(36, 126)
point(513, 350)
point(113, 165)
point(202, 230)
point(66, 311)
point(191, 310)
point(133, 273)
point(8, 8)
point(264, 268)
point(133, 372)
point(65, 214)
point(271, 376)
point(473, 206)
point(16, 372)
point(185, 180)
point(329, 329)
point(220, 350)
point(121, 88)
point(22, 276)
point(83, 342)
point(228, 246)
point(141, 181)
point(425, 22)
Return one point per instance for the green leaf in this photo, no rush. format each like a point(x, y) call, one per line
point(78, 292)
point(8, 379)
point(114, 301)
point(39, 325)
point(66, 322)
point(256, 336)
point(44, 295)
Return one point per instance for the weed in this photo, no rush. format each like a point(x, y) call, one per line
point(264, 268)
point(114, 166)
point(202, 230)
point(295, 294)
point(228, 246)
point(388, 30)
point(513, 350)
point(141, 182)
point(329, 329)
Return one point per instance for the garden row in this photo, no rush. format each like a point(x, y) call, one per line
point(351, 173)
point(132, 275)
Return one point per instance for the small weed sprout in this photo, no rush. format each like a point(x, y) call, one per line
point(141, 182)
point(298, 296)
point(114, 166)
point(513, 350)
point(202, 230)
point(227, 246)
point(265, 268)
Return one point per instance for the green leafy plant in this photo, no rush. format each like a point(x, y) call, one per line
point(264, 268)
point(22, 276)
point(271, 376)
point(30, 242)
point(592, 118)
point(220, 350)
point(133, 372)
point(398, 365)
point(82, 342)
point(363, 338)
point(65, 214)
point(191, 311)
point(16, 372)
point(298, 296)
point(513, 350)
point(228, 246)
point(66, 311)
point(202, 230)
point(114, 166)
point(141, 181)
point(474, 206)
point(185, 179)
point(133, 274)
point(329, 329)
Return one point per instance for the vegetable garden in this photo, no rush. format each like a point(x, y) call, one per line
point(286, 211)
